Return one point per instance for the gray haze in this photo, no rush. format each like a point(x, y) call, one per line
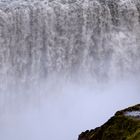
point(66, 65)
point(68, 110)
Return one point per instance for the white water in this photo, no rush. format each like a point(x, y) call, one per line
point(66, 66)
point(133, 114)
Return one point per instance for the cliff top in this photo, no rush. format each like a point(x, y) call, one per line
point(124, 125)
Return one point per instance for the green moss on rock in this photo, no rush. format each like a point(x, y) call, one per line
point(135, 136)
point(119, 127)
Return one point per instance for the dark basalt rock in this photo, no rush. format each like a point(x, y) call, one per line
point(119, 127)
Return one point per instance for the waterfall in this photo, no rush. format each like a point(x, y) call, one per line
point(98, 38)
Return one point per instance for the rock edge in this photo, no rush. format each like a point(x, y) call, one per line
point(121, 126)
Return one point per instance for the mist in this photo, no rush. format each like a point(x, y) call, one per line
point(62, 110)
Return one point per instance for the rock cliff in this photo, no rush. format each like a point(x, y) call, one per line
point(124, 125)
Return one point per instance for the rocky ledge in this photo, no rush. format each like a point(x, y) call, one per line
point(124, 125)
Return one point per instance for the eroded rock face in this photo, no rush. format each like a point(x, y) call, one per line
point(121, 126)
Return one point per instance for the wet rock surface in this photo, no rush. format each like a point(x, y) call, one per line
point(124, 125)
